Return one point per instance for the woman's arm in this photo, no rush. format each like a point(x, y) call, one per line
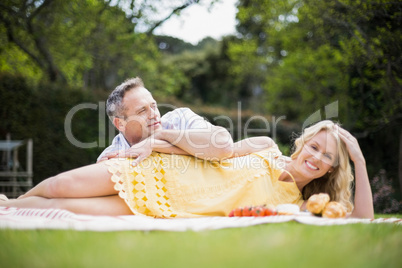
point(363, 203)
point(363, 195)
point(252, 145)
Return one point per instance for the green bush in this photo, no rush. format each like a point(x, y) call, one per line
point(39, 113)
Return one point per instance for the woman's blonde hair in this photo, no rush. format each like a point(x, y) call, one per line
point(338, 183)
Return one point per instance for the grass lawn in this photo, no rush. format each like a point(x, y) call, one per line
point(288, 244)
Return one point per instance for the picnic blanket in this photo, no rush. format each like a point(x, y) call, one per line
point(32, 219)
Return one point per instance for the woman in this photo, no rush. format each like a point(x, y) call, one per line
point(183, 186)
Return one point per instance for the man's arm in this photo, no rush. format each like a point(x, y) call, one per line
point(252, 145)
point(240, 148)
point(143, 149)
point(210, 145)
point(213, 143)
point(195, 135)
point(184, 132)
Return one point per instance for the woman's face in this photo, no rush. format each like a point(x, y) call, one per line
point(317, 156)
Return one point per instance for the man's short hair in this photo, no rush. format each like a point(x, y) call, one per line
point(114, 103)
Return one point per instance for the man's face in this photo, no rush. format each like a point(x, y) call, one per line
point(141, 117)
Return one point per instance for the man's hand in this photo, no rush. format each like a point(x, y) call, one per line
point(138, 151)
point(108, 156)
point(143, 149)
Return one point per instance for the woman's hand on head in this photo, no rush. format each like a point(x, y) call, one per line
point(352, 145)
point(363, 197)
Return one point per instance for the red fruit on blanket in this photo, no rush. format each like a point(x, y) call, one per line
point(269, 212)
point(238, 212)
point(247, 211)
point(256, 211)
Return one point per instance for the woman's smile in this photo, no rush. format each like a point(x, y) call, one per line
point(311, 165)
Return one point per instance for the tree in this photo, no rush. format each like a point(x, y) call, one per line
point(19, 20)
point(260, 43)
point(369, 36)
point(308, 53)
point(359, 41)
point(87, 43)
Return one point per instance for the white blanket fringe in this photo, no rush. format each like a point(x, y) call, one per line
point(32, 219)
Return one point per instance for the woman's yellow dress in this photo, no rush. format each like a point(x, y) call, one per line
point(169, 186)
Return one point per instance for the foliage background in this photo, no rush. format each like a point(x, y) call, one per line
point(289, 59)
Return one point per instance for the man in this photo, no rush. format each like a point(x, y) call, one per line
point(134, 112)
